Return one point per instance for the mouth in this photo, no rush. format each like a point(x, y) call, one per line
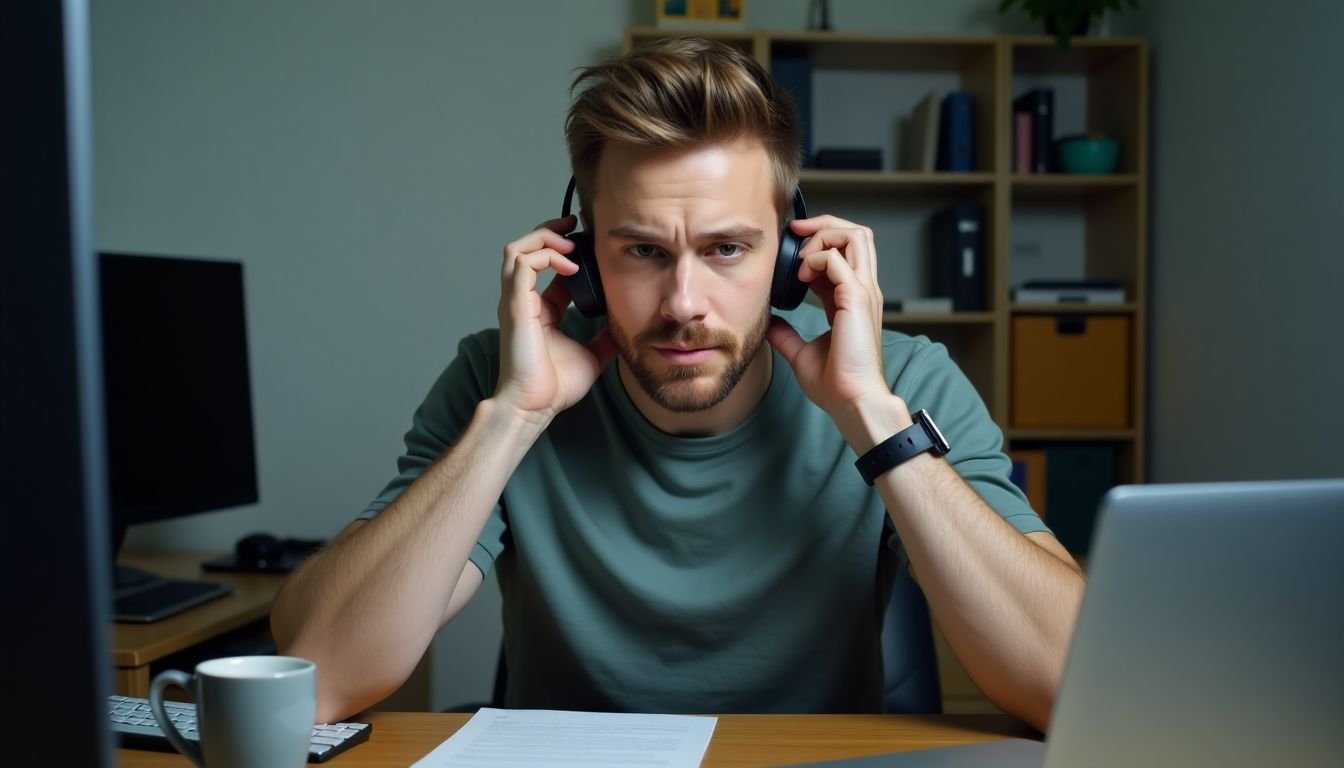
point(684, 355)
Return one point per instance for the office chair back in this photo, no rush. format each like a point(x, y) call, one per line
point(909, 663)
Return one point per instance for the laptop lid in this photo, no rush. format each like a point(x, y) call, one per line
point(1212, 633)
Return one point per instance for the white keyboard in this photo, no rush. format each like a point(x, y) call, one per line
point(135, 727)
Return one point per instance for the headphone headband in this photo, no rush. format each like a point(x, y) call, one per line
point(569, 196)
point(799, 205)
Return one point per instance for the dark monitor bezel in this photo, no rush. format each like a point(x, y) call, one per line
point(52, 464)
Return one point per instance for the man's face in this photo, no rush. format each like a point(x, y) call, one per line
point(686, 245)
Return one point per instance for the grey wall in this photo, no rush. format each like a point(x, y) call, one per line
point(366, 162)
point(1247, 262)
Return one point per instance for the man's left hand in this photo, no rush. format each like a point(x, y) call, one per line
point(842, 368)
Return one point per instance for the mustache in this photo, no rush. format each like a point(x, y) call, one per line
point(692, 335)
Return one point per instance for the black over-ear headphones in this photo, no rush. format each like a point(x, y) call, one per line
point(585, 286)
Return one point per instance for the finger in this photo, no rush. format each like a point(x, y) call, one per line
point(825, 290)
point(829, 263)
point(855, 244)
point(523, 281)
point(533, 241)
point(872, 249)
point(813, 225)
point(855, 247)
point(820, 284)
point(824, 240)
point(561, 226)
point(554, 300)
point(785, 339)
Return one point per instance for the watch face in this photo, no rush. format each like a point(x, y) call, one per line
point(935, 434)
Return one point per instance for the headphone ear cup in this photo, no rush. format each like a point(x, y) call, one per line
point(585, 286)
point(786, 289)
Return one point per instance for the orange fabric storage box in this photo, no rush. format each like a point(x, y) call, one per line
point(1071, 371)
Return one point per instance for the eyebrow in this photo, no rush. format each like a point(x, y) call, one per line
point(739, 232)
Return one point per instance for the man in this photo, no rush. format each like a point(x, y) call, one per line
point(686, 530)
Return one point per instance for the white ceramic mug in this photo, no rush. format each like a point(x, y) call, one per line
point(251, 711)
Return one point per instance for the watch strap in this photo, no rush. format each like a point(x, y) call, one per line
point(902, 446)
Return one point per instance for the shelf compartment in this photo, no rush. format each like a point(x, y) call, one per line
point(1108, 74)
point(1073, 309)
point(1048, 186)
point(913, 182)
point(1071, 435)
point(969, 343)
point(900, 319)
point(1087, 237)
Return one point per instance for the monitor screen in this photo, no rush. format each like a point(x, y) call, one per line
point(179, 403)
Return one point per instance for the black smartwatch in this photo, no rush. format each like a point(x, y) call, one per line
point(915, 439)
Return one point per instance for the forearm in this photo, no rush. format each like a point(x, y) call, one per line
point(1006, 605)
point(367, 606)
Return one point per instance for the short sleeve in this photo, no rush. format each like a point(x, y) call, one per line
point(437, 424)
point(932, 381)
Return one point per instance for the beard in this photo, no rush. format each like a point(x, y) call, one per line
point(678, 388)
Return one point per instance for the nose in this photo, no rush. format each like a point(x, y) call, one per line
point(684, 297)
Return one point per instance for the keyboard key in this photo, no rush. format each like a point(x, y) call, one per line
point(134, 724)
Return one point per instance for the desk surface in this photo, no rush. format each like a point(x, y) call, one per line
point(135, 646)
point(739, 741)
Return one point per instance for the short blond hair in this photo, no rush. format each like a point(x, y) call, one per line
point(681, 93)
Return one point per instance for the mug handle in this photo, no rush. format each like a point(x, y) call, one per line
point(187, 683)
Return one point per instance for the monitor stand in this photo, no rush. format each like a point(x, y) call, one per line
point(141, 597)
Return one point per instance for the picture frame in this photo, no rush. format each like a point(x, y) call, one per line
point(717, 13)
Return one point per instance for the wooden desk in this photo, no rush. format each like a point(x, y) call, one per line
point(136, 646)
point(739, 741)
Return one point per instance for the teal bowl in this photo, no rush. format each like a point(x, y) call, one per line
point(1087, 154)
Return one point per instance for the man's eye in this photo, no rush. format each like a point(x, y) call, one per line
point(728, 250)
point(642, 251)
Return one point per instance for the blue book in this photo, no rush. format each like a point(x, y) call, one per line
point(956, 132)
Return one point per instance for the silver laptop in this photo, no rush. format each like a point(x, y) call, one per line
point(1211, 634)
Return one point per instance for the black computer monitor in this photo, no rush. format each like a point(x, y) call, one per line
point(179, 406)
point(52, 475)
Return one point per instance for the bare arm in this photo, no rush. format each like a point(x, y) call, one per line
point(1006, 603)
point(367, 606)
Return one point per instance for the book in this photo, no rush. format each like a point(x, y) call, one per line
point(794, 74)
point(921, 305)
point(956, 132)
point(957, 268)
point(1028, 474)
point(1069, 292)
point(1022, 122)
point(919, 145)
point(1040, 103)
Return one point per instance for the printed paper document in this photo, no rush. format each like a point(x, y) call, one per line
point(540, 738)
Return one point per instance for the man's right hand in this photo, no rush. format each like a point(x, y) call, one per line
point(541, 370)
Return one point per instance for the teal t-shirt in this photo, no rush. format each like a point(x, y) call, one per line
point(742, 572)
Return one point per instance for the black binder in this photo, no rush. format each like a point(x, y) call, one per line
point(793, 72)
point(957, 245)
point(1040, 102)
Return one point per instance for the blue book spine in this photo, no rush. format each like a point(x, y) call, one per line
point(956, 132)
